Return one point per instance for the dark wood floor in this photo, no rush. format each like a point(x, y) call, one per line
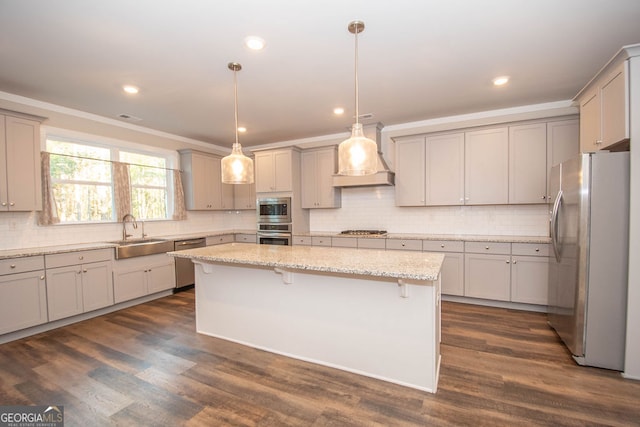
point(146, 366)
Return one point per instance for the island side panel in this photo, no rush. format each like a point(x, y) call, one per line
point(359, 324)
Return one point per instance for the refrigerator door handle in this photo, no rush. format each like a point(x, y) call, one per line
point(553, 225)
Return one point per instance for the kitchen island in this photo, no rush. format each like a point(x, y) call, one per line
point(374, 313)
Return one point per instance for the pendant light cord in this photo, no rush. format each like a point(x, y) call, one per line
point(235, 94)
point(356, 79)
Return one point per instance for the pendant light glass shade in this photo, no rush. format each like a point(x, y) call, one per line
point(357, 155)
point(236, 168)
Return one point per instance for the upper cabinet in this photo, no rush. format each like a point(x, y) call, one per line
point(486, 167)
point(430, 170)
point(20, 176)
point(490, 166)
point(274, 170)
point(528, 163)
point(604, 105)
point(203, 187)
point(318, 167)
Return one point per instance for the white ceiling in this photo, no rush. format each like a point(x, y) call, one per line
point(418, 59)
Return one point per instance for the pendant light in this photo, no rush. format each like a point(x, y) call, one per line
point(357, 155)
point(236, 167)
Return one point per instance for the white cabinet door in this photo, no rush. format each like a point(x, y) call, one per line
point(615, 107)
point(590, 140)
point(244, 196)
point(64, 291)
point(23, 301)
point(487, 276)
point(529, 279)
point(20, 185)
point(444, 173)
point(410, 172)
point(563, 143)
point(97, 286)
point(452, 274)
point(528, 163)
point(486, 177)
point(264, 173)
point(129, 283)
point(282, 171)
point(318, 168)
point(161, 276)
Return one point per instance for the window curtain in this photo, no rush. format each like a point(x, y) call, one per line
point(122, 189)
point(49, 213)
point(179, 210)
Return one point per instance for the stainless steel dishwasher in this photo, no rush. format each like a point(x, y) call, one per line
point(185, 269)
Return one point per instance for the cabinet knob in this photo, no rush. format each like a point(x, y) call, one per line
point(403, 245)
point(515, 262)
point(41, 277)
point(4, 203)
point(537, 249)
point(13, 266)
point(84, 271)
point(598, 141)
point(507, 261)
point(442, 246)
point(81, 257)
point(12, 204)
point(544, 197)
point(486, 247)
point(79, 272)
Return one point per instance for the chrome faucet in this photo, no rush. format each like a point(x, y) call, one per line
point(124, 225)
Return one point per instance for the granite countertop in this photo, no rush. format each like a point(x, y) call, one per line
point(422, 266)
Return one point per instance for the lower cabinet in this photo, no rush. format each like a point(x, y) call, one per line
point(530, 273)
point(141, 276)
point(452, 272)
point(23, 294)
point(487, 276)
point(78, 282)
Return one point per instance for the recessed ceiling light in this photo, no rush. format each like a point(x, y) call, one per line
point(130, 89)
point(338, 111)
point(254, 43)
point(501, 81)
point(242, 129)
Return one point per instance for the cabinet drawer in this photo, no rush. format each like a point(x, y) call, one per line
point(364, 243)
point(20, 265)
point(75, 258)
point(442, 246)
point(532, 249)
point(218, 240)
point(344, 242)
point(302, 240)
point(321, 241)
point(498, 248)
point(246, 238)
point(405, 245)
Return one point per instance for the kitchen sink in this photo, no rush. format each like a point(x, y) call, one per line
point(140, 247)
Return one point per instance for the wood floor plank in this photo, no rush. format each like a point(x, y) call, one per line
point(146, 366)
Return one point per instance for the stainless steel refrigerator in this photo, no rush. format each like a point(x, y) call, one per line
point(588, 269)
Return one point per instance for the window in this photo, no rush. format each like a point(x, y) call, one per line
point(83, 187)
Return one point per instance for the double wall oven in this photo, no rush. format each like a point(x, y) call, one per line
point(274, 221)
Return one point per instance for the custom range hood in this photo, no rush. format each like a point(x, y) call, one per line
point(382, 177)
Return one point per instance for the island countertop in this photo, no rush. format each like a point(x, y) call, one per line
point(377, 263)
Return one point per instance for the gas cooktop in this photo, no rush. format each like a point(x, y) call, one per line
point(364, 232)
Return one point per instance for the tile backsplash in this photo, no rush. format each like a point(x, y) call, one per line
point(362, 208)
point(374, 208)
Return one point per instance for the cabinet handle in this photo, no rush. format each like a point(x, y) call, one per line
point(598, 141)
